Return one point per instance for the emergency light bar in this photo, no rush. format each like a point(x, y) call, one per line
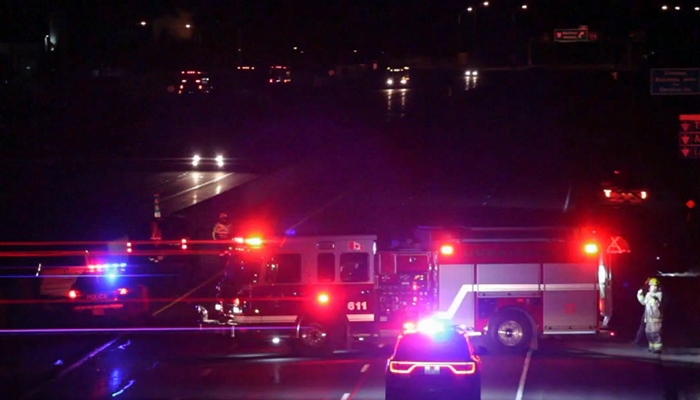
point(115, 267)
point(252, 241)
point(428, 326)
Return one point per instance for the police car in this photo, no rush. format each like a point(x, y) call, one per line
point(433, 357)
point(106, 290)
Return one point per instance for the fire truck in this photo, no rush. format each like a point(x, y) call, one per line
point(510, 286)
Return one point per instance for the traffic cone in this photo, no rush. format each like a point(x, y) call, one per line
point(156, 206)
point(155, 231)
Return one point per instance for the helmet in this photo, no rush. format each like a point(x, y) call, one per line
point(223, 216)
point(653, 282)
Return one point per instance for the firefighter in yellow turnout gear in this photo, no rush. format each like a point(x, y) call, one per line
point(653, 318)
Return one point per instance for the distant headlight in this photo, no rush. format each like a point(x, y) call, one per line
point(389, 81)
point(195, 160)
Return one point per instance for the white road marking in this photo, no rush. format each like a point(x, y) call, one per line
point(345, 396)
point(523, 376)
point(364, 368)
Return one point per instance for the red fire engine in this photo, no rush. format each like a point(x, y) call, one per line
point(514, 285)
point(509, 285)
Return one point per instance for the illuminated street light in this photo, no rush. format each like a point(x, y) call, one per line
point(486, 4)
point(697, 8)
point(470, 9)
point(143, 23)
point(664, 7)
point(188, 26)
point(524, 6)
point(678, 8)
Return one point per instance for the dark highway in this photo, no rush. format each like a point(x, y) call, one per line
point(193, 366)
point(172, 359)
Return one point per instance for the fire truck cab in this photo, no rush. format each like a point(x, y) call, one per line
point(319, 293)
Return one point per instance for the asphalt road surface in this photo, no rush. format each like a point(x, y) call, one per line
point(191, 366)
point(174, 360)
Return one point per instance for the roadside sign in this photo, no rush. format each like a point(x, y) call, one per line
point(618, 245)
point(675, 81)
point(570, 35)
point(689, 135)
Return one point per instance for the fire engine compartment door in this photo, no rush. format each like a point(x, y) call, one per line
point(456, 293)
point(570, 298)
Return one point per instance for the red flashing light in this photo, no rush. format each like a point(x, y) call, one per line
point(123, 291)
point(73, 294)
point(591, 248)
point(236, 302)
point(254, 241)
point(323, 298)
point(447, 250)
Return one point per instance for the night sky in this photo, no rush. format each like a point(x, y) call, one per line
point(406, 26)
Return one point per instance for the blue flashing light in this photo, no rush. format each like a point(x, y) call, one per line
point(290, 232)
point(428, 326)
point(110, 270)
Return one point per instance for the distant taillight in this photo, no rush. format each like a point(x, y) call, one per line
point(73, 294)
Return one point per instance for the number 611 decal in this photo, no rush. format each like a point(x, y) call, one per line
point(357, 305)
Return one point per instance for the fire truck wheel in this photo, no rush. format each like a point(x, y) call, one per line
point(316, 340)
point(509, 332)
